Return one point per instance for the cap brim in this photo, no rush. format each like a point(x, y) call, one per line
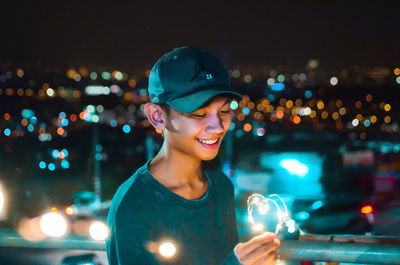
point(194, 101)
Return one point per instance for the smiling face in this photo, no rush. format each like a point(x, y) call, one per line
point(199, 133)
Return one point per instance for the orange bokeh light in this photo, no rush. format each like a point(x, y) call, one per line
point(61, 155)
point(366, 209)
point(247, 127)
point(24, 122)
point(60, 131)
point(279, 114)
point(132, 83)
point(73, 117)
point(296, 120)
point(240, 117)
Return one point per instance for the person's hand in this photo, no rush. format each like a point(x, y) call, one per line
point(260, 250)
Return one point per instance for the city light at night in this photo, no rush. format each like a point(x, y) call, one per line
point(112, 140)
point(53, 224)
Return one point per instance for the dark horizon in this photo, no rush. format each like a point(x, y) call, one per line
point(132, 36)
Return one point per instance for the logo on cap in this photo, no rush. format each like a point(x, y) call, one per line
point(201, 71)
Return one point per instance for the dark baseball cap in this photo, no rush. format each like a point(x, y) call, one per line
point(187, 77)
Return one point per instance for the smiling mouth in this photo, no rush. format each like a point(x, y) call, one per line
point(210, 143)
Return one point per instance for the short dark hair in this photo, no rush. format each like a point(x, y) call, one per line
point(166, 108)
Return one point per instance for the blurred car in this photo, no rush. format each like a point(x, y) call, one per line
point(85, 203)
point(86, 259)
point(341, 216)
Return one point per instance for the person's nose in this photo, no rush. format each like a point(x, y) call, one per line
point(215, 124)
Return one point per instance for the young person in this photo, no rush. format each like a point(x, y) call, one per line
point(172, 198)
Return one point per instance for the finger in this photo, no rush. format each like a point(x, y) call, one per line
point(260, 253)
point(256, 242)
point(268, 260)
point(277, 242)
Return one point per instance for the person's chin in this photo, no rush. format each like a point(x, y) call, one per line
point(209, 156)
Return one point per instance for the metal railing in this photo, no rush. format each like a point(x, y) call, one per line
point(332, 250)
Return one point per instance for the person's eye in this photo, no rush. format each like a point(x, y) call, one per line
point(198, 116)
point(225, 111)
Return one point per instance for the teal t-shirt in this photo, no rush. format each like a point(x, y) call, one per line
point(145, 214)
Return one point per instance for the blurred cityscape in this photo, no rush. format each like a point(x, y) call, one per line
point(316, 136)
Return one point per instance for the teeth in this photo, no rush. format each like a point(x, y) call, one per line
point(208, 141)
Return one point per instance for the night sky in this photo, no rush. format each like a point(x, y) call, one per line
point(131, 35)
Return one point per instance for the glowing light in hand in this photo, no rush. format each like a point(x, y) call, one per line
point(258, 227)
point(263, 209)
point(262, 204)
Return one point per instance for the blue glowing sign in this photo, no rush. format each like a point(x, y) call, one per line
point(278, 87)
point(294, 167)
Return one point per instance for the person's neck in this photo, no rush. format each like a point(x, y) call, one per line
point(175, 168)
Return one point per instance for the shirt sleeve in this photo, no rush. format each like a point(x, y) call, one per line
point(121, 251)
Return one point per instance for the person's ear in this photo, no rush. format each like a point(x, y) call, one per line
point(156, 115)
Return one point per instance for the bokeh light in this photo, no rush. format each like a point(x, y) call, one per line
point(51, 167)
point(2, 199)
point(279, 114)
point(289, 104)
point(93, 75)
point(234, 104)
point(270, 81)
point(99, 231)
point(167, 249)
point(7, 132)
point(260, 131)
point(247, 127)
point(50, 92)
point(281, 78)
point(126, 128)
point(42, 164)
point(296, 119)
point(53, 225)
point(334, 81)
